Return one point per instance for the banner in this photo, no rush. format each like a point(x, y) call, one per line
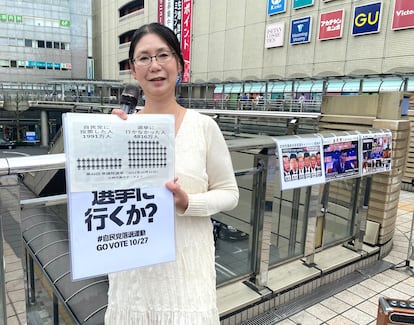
point(120, 214)
point(186, 38)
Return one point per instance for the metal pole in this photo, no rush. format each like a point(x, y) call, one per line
point(3, 314)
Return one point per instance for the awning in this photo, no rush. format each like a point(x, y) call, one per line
point(218, 89)
point(392, 85)
point(258, 87)
point(410, 85)
point(351, 86)
point(335, 86)
point(371, 85)
point(317, 86)
point(313, 86)
point(236, 88)
point(279, 87)
point(303, 86)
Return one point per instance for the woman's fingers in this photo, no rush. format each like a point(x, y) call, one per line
point(120, 113)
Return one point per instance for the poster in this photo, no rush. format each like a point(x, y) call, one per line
point(341, 153)
point(300, 161)
point(120, 214)
point(376, 151)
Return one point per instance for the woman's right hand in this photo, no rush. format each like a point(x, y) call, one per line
point(120, 113)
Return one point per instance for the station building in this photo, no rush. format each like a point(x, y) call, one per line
point(276, 48)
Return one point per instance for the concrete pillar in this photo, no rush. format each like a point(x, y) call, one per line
point(44, 129)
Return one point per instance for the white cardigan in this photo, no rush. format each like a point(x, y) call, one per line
point(184, 291)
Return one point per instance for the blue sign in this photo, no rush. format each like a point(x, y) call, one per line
point(300, 30)
point(367, 19)
point(276, 6)
point(30, 136)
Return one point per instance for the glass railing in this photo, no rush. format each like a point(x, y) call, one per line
point(266, 229)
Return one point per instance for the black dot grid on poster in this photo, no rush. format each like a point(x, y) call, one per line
point(147, 154)
point(91, 163)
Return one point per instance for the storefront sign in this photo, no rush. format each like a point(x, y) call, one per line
point(276, 6)
point(301, 3)
point(403, 15)
point(367, 19)
point(275, 35)
point(331, 25)
point(187, 13)
point(300, 30)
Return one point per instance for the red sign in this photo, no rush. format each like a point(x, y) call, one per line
point(331, 25)
point(403, 15)
point(161, 12)
point(186, 38)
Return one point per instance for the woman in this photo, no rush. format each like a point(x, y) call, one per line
point(183, 291)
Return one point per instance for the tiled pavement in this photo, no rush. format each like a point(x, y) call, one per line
point(359, 303)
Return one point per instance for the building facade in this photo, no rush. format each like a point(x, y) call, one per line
point(249, 41)
point(45, 39)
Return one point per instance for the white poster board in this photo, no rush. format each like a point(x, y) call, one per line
point(376, 149)
point(120, 214)
point(341, 152)
point(300, 161)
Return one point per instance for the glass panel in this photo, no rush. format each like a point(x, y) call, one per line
point(304, 87)
point(335, 86)
point(410, 84)
point(289, 225)
point(338, 218)
point(392, 85)
point(233, 229)
point(317, 86)
point(277, 87)
point(371, 85)
point(236, 88)
point(351, 86)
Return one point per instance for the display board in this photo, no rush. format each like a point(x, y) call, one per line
point(323, 157)
point(300, 159)
point(120, 214)
point(341, 153)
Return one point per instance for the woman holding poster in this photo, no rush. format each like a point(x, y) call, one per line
point(182, 291)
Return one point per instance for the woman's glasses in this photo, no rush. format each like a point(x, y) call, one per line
point(145, 60)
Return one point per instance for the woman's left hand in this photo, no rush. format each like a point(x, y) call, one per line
point(180, 196)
